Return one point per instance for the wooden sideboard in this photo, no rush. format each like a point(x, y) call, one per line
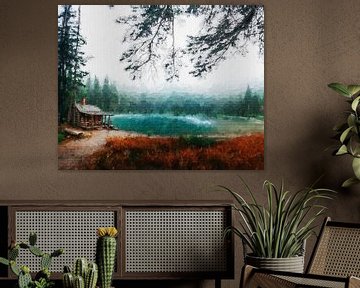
point(157, 240)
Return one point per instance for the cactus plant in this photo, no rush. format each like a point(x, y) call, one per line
point(24, 280)
point(4, 261)
point(14, 268)
point(79, 282)
point(13, 253)
point(68, 280)
point(80, 268)
point(91, 276)
point(36, 251)
point(57, 253)
point(43, 274)
point(67, 269)
point(105, 254)
point(45, 261)
point(84, 274)
point(42, 278)
point(32, 238)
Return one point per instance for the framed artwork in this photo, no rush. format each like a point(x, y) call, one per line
point(178, 87)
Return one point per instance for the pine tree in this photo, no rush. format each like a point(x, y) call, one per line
point(247, 102)
point(106, 94)
point(88, 89)
point(97, 95)
point(114, 98)
point(255, 105)
point(70, 58)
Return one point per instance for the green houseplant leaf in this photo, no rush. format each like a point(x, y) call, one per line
point(345, 134)
point(356, 167)
point(351, 120)
point(340, 88)
point(355, 103)
point(348, 133)
point(354, 145)
point(353, 89)
point(342, 150)
point(345, 90)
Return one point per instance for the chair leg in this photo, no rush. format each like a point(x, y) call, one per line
point(246, 274)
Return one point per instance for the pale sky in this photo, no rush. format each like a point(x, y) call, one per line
point(104, 42)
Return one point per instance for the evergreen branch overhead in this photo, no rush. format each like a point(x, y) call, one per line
point(226, 30)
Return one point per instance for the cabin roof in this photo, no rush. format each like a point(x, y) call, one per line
point(89, 109)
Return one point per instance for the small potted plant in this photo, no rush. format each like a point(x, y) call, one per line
point(106, 254)
point(348, 132)
point(276, 233)
point(84, 274)
point(42, 278)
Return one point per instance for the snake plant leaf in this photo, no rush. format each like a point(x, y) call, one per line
point(349, 182)
point(340, 88)
point(355, 103)
point(356, 167)
point(353, 89)
point(345, 134)
point(342, 150)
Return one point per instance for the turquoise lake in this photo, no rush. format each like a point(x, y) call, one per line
point(171, 125)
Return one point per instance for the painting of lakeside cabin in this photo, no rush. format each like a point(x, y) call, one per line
point(139, 90)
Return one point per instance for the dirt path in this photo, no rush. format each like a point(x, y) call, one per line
point(72, 152)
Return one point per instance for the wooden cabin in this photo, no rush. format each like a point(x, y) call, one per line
point(89, 116)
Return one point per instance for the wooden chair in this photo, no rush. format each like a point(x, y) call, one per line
point(334, 263)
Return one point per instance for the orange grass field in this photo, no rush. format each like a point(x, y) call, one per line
point(243, 152)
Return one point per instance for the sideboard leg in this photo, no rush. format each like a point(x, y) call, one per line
point(217, 283)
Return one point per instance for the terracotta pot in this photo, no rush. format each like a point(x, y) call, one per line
point(291, 264)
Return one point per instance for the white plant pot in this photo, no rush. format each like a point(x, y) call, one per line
point(291, 264)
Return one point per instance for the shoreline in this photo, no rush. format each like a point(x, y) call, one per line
point(73, 151)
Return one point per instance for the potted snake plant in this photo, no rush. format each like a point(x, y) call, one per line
point(348, 133)
point(274, 234)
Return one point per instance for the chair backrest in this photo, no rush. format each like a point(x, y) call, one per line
point(337, 251)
